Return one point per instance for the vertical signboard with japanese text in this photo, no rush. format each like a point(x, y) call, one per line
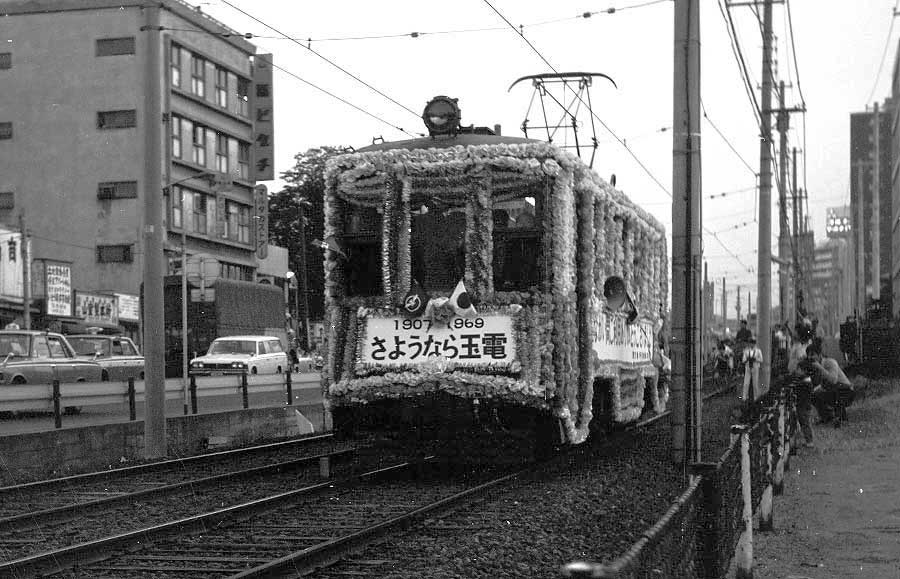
point(58, 282)
point(262, 116)
point(261, 203)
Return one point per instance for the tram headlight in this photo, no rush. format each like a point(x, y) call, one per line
point(616, 293)
point(442, 116)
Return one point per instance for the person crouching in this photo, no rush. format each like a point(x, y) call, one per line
point(832, 392)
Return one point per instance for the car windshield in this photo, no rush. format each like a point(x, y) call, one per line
point(90, 346)
point(233, 347)
point(17, 344)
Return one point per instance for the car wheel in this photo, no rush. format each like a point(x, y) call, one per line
point(18, 380)
point(253, 370)
point(104, 376)
point(278, 370)
point(142, 374)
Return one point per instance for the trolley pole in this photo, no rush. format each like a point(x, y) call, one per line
point(686, 236)
point(154, 330)
point(26, 273)
point(764, 263)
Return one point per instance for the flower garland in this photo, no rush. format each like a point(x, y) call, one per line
point(555, 367)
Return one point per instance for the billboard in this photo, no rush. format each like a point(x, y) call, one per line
point(263, 121)
point(100, 309)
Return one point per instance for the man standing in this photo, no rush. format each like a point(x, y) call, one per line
point(751, 358)
point(803, 334)
point(743, 335)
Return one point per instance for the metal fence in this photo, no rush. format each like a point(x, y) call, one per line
point(710, 526)
point(58, 396)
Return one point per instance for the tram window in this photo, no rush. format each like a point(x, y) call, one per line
point(437, 248)
point(362, 243)
point(517, 243)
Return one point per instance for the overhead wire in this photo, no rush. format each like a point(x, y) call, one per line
point(332, 63)
point(887, 45)
point(724, 138)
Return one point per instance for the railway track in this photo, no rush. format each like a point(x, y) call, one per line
point(275, 536)
point(281, 534)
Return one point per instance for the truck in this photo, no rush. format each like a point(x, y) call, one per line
point(227, 308)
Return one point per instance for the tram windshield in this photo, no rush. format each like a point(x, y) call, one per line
point(517, 242)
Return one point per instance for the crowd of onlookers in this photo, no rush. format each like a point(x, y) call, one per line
point(798, 362)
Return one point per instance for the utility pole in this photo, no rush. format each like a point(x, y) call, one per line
point(784, 298)
point(799, 293)
point(26, 273)
point(764, 263)
point(686, 236)
point(303, 279)
point(860, 242)
point(724, 305)
point(737, 305)
point(876, 209)
point(153, 324)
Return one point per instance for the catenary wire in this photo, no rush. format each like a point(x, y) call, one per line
point(887, 45)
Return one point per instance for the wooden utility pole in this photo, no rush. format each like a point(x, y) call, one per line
point(154, 328)
point(686, 236)
point(875, 231)
point(764, 263)
point(785, 302)
point(724, 305)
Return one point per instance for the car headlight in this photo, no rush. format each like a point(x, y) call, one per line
point(237, 364)
point(196, 364)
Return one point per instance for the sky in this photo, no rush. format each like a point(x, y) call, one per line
point(467, 51)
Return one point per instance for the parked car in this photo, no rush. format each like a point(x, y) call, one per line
point(238, 354)
point(117, 355)
point(33, 357)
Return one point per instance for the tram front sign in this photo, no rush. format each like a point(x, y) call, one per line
point(478, 341)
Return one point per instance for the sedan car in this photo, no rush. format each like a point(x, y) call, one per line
point(239, 354)
point(117, 355)
point(33, 357)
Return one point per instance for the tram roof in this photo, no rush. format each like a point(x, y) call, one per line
point(446, 142)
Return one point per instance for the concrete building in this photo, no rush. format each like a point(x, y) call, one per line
point(832, 284)
point(72, 153)
point(872, 208)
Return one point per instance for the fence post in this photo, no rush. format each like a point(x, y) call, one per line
point(782, 443)
point(585, 570)
point(57, 416)
point(288, 384)
point(765, 502)
point(132, 411)
point(244, 390)
point(744, 552)
point(193, 388)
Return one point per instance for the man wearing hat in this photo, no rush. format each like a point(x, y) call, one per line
point(752, 358)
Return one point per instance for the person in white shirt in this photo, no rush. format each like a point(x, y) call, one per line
point(803, 335)
point(752, 357)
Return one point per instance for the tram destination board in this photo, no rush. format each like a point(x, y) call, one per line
point(487, 340)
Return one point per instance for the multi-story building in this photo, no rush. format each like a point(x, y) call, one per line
point(73, 153)
point(832, 284)
point(872, 209)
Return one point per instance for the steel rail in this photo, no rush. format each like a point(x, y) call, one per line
point(93, 551)
point(157, 466)
point(36, 519)
point(327, 552)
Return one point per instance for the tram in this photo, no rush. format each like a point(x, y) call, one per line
point(473, 279)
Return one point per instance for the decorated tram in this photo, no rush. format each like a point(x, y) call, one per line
point(478, 279)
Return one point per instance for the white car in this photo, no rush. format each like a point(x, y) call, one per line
point(239, 354)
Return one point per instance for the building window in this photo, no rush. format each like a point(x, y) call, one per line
point(244, 160)
point(236, 271)
point(114, 254)
point(198, 75)
point(5, 60)
point(199, 221)
point(243, 97)
point(237, 222)
point(199, 152)
point(221, 87)
point(175, 65)
point(221, 153)
point(176, 137)
point(117, 190)
point(115, 46)
point(7, 200)
point(117, 119)
point(176, 200)
point(5, 131)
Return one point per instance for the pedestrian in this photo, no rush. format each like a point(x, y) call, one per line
point(832, 391)
point(743, 336)
point(800, 379)
point(752, 357)
point(724, 364)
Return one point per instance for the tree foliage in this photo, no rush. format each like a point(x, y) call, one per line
point(303, 195)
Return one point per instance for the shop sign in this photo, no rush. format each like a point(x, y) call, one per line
point(261, 202)
point(97, 308)
point(479, 341)
point(58, 282)
point(129, 307)
point(263, 120)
